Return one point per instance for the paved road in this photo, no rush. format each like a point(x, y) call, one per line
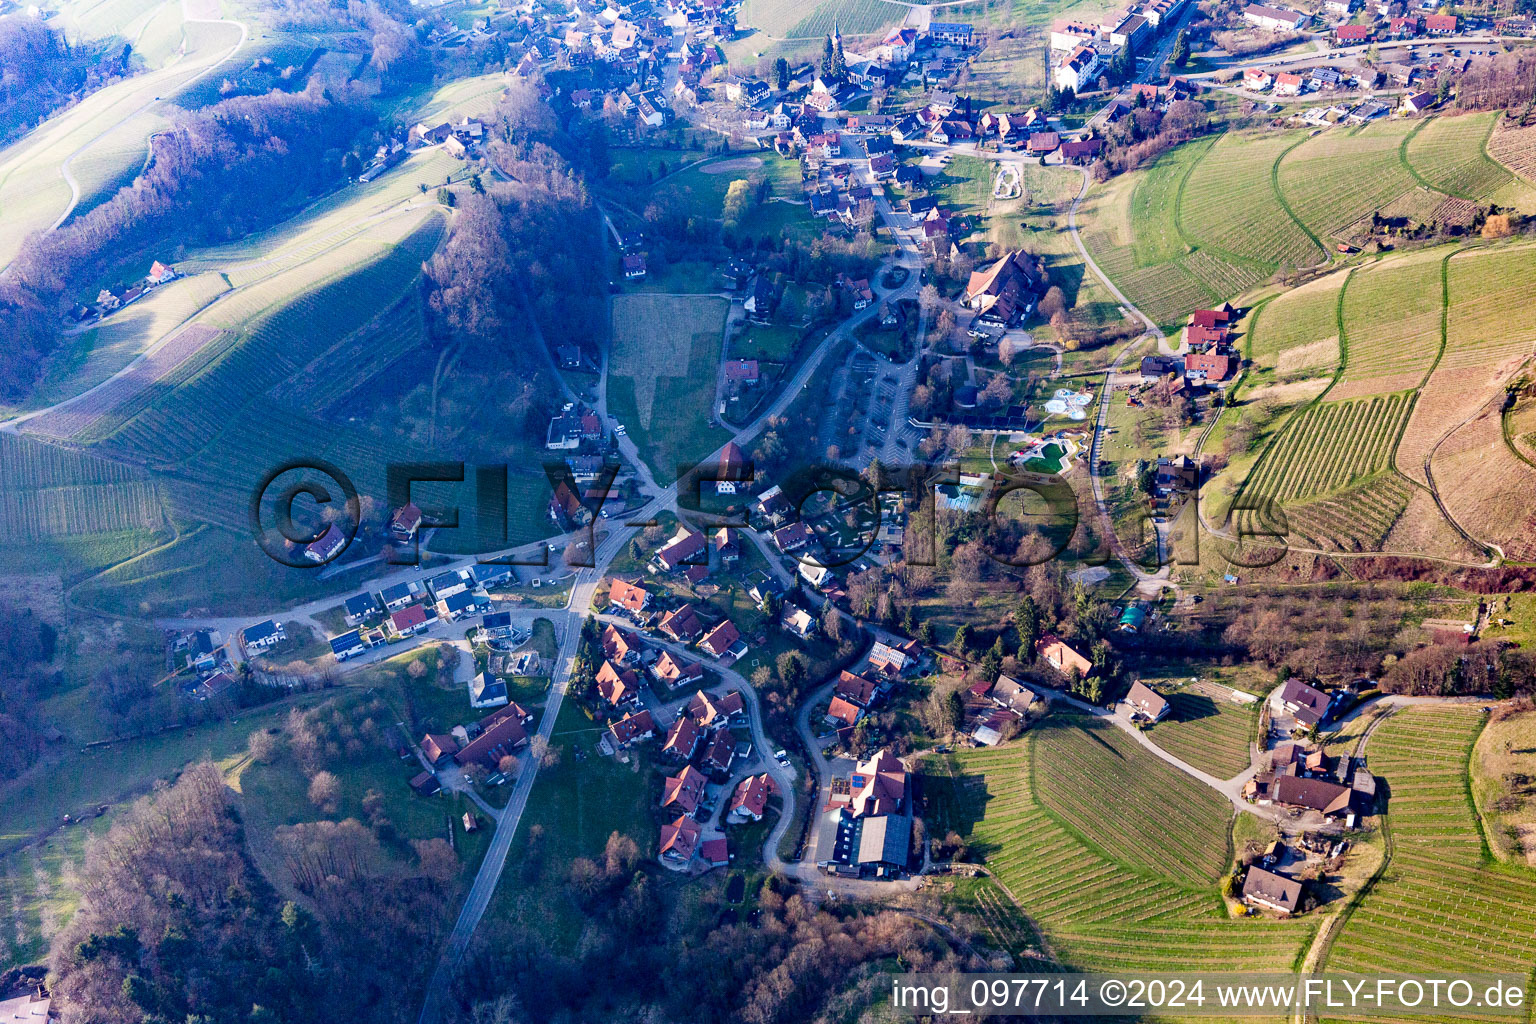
point(484, 885)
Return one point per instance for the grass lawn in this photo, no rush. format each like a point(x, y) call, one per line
point(38, 889)
point(773, 343)
point(575, 805)
point(276, 794)
point(667, 347)
point(78, 780)
point(1506, 748)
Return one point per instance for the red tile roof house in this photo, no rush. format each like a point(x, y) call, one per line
point(616, 687)
point(879, 785)
point(634, 266)
point(678, 841)
point(1352, 33)
point(720, 641)
point(621, 647)
point(719, 753)
point(682, 739)
point(1198, 335)
point(841, 712)
point(673, 671)
point(733, 472)
point(1271, 891)
point(411, 620)
point(1146, 702)
point(726, 545)
point(715, 852)
point(327, 546)
point(684, 548)
point(629, 596)
point(1440, 24)
point(631, 728)
point(487, 749)
point(682, 625)
point(854, 689)
point(1061, 657)
point(792, 537)
point(1211, 317)
point(750, 798)
point(741, 371)
point(684, 790)
point(1044, 142)
point(438, 745)
point(1207, 366)
point(405, 521)
point(1307, 704)
point(708, 710)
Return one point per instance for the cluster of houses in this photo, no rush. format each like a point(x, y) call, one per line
point(111, 299)
point(203, 652)
point(462, 139)
point(1210, 354)
point(939, 48)
point(866, 825)
point(1307, 780)
point(1082, 51)
point(855, 694)
point(483, 743)
point(412, 607)
point(683, 624)
point(1007, 701)
point(703, 744)
point(1374, 23)
point(995, 707)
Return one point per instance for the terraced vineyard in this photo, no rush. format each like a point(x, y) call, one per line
point(1356, 519)
point(1229, 202)
point(1392, 314)
point(1207, 729)
point(51, 492)
point(1330, 446)
point(1447, 153)
point(1088, 785)
point(1098, 911)
point(1440, 901)
point(181, 420)
point(1489, 333)
point(1335, 178)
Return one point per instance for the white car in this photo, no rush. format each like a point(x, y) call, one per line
point(621, 430)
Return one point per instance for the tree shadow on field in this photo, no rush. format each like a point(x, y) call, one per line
point(1191, 707)
point(1079, 724)
point(956, 803)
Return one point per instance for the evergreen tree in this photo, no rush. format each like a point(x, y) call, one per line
point(781, 74)
point(839, 62)
point(826, 58)
point(1181, 49)
point(1026, 620)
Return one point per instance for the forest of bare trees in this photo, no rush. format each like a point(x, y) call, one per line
point(40, 72)
point(177, 923)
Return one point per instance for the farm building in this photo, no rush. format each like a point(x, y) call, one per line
point(1307, 704)
point(1271, 891)
point(1146, 702)
point(1275, 19)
